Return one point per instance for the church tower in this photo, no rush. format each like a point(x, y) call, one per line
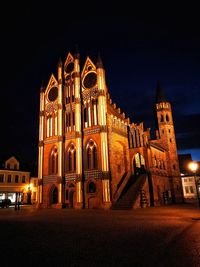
point(166, 134)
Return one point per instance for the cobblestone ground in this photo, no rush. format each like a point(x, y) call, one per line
point(167, 236)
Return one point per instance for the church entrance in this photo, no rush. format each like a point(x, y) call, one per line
point(71, 198)
point(54, 195)
point(138, 164)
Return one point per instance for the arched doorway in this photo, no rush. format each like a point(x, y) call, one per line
point(71, 198)
point(54, 195)
point(138, 164)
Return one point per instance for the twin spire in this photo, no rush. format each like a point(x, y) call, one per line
point(160, 96)
point(99, 63)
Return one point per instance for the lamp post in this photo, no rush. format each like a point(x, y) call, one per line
point(193, 166)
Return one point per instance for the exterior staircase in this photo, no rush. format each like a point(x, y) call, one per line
point(130, 192)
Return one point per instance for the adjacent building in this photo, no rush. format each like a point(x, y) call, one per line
point(91, 155)
point(190, 180)
point(16, 183)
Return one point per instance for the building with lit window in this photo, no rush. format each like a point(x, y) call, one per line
point(189, 180)
point(91, 155)
point(13, 181)
point(16, 184)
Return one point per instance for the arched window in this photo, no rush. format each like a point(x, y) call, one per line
point(56, 124)
point(95, 157)
point(73, 93)
point(71, 158)
point(161, 118)
point(139, 163)
point(53, 161)
point(73, 120)
point(167, 118)
point(89, 158)
point(68, 121)
point(91, 187)
point(85, 115)
point(91, 150)
point(94, 112)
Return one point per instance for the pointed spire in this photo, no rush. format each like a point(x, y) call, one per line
point(60, 62)
point(99, 61)
point(160, 96)
point(76, 54)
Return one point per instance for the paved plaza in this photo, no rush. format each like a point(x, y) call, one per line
point(159, 236)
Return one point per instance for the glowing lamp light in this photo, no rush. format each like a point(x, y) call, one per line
point(28, 187)
point(193, 166)
point(31, 186)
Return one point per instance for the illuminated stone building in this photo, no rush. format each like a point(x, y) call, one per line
point(91, 155)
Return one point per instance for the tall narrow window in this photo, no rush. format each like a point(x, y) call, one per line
point(73, 118)
point(9, 178)
point(1, 178)
point(72, 86)
point(85, 116)
point(50, 126)
point(16, 178)
point(94, 104)
point(67, 94)
point(53, 162)
point(95, 157)
point(89, 114)
point(68, 121)
point(47, 126)
point(74, 158)
point(56, 124)
point(23, 179)
point(71, 158)
point(91, 155)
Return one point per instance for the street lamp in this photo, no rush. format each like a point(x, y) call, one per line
point(193, 166)
point(28, 190)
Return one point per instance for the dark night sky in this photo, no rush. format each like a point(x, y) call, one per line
point(139, 46)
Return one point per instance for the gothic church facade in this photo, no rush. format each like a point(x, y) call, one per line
point(91, 155)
